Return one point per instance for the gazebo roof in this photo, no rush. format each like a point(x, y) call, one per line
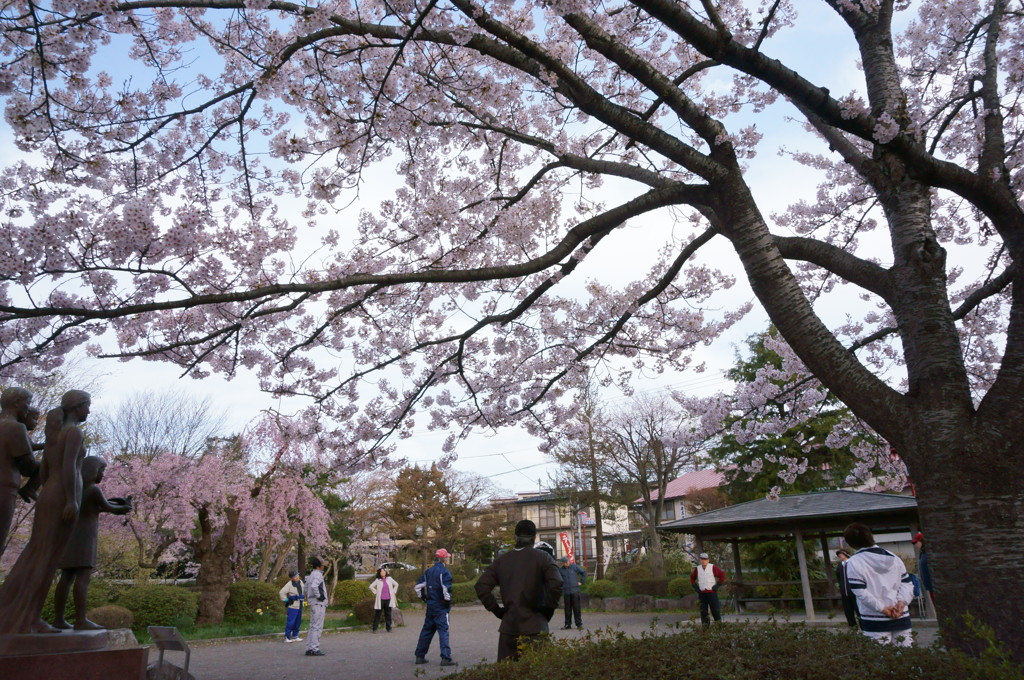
point(820, 511)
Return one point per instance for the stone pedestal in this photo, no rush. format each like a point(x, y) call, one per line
point(70, 655)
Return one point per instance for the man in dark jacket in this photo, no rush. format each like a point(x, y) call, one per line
point(435, 588)
point(573, 576)
point(530, 588)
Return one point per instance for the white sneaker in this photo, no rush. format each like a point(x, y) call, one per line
point(296, 639)
point(289, 640)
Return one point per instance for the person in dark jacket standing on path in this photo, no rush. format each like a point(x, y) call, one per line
point(573, 576)
point(849, 602)
point(435, 588)
point(530, 586)
point(706, 579)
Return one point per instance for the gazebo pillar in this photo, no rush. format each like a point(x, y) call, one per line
point(736, 560)
point(805, 581)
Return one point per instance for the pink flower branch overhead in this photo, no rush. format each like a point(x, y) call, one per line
point(184, 169)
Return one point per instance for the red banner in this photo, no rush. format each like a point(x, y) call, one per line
point(567, 545)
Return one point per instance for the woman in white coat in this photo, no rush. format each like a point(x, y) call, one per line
point(384, 589)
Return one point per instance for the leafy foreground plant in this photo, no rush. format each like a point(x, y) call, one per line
point(742, 652)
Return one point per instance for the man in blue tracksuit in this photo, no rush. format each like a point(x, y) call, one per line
point(435, 588)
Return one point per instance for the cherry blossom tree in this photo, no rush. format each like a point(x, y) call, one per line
point(241, 494)
point(162, 146)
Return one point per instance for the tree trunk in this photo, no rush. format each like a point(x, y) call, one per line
point(216, 565)
point(971, 501)
point(300, 552)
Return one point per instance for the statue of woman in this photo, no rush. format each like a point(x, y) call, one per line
point(23, 593)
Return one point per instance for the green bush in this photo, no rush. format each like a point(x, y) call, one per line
point(347, 593)
point(602, 587)
point(363, 610)
point(346, 572)
point(406, 579)
point(743, 652)
point(110, 616)
point(463, 593)
point(656, 587)
point(640, 571)
point(159, 605)
point(249, 600)
point(100, 593)
point(680, 587)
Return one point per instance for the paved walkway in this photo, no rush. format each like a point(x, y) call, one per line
point(361, 655)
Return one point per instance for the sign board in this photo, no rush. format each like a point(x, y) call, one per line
point(567, 546)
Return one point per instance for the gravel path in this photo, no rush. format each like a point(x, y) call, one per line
point(362, 655)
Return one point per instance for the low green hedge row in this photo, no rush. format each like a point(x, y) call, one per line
point(250, 600)
point(743, 652)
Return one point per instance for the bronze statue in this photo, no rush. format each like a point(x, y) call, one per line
point(80, 555)
point(23, 593)
point(29, 491)
point(16, 459)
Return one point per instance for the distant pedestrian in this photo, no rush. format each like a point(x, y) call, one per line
point(706, 579)
point(316, 596)
point(383, 588)
point(922, 565)
point(849, 602)
point(291, 595)
point(573, 576)
point(530, 585)
point(879, 581)
point(435, 588)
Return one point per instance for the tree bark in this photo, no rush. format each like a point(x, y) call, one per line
point(216, 565)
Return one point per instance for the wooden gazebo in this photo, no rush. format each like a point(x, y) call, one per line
point(823, 514)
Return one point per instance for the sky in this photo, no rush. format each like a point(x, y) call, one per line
point(510, 458)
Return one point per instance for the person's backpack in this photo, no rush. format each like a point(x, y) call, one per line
point(917, 585)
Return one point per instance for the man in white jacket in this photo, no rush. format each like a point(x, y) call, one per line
point(316, 596)
point(291, 595)
point(880, 583)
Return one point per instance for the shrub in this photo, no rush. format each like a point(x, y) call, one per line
point(680, 587)
point(640, 571)
point(657, 587)
point(406, 579)
point(347, 593)
point(159, 605)
point(248, 599)
point(110, 616)
point(100, 593)
point(743, 652)
point(346, 572)
point(602, 587)
point(463, 593)
point(363, 611)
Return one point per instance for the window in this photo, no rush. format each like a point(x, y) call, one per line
point(668, 511)
point(547, 516)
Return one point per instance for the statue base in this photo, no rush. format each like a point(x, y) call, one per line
point(69, 655)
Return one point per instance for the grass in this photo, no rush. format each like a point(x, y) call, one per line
point(266, 625)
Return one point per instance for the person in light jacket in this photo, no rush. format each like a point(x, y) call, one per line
point(291, 595)
point(706, 579)
point(383, 588)
point(882, 586)
point(316, 596)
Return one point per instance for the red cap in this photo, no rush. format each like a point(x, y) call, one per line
point(918, 537)
point(442, 553)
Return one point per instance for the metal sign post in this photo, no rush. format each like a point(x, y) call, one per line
point(168, 638)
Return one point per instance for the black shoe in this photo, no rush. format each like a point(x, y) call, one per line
point(315, 652)
point(420, 659)
point(566, 627)
point(448, 662)
point(579, 627)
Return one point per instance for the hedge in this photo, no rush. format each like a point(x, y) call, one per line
point(100, 593)
point(744, 652)
point(656, 587)
point(159, 605)
point(602, 587)
point(347, 593)
point(464, 593)
point(680, 587)
point(111, 616)
point(248, 600)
